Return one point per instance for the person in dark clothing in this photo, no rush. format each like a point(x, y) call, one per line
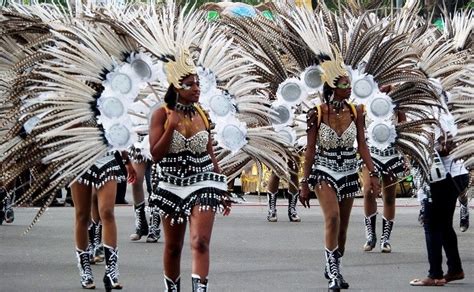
point(438, 222)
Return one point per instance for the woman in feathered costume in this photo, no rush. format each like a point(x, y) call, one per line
point(331, 164)
point(191, 187)
point(363, 56)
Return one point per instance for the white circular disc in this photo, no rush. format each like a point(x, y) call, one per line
point(112, 107)
point(287, 136)
point(363, 88)
point(291, 92)
point(283, 115)
point(141, 68)
point(312, 78)
point(118, 135)
point(121, 83)
point(233, 137)
point(220, 105)
point(380, 107)
point(381, 133)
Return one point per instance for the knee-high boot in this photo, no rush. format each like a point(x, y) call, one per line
point(292, 200)
point(91, 244)
point(141, 225)
point(85, 270)
point(98, 246)
point(9, 213)
point(343, 283)
point(387, 226)
point(111, 269)
point(370, 235)
point(154, 230)
point(332, 267)
point(272, 212)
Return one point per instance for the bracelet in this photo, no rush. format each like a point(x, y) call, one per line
point(374, 173)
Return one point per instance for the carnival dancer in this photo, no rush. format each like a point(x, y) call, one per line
point(391, 165)
point(190, 187)
point(331, 164)
point(292, 194)
point(103, 176)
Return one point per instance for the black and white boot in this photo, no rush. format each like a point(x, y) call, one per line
point(332, 267)
point(141, 226)
point(172, 286)
point(9, 213)
point(154, 232)
point(292, 200)
point(343, 283)
point(111, 269)
point(198, 284)
point(370, 232)
point(387, 226)
point(464, 217)
point(85, 270)
point(272, 212)
point(98, 246)
point(91, 245)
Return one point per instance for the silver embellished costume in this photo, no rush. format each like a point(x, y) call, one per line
point(104, 169)
point(187, 178)
point(388, 161)
point(335, 161)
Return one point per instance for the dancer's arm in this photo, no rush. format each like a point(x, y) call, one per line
point(312, 123)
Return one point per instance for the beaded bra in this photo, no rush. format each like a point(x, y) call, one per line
point(329, 139)
point(196, 143)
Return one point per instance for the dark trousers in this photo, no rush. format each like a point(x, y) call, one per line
point(439, 231)
point(148, 177)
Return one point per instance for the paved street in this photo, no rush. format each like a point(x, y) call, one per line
point(248, 253)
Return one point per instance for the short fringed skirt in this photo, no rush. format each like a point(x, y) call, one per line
point(338, 168)
point(98, 175)
point(388, 161)
point(345, 187)
point(175, 197)
point(170, 205)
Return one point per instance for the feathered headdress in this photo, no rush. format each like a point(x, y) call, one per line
point(177, 69)
point(333, 69)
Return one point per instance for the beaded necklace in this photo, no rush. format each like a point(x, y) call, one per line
point(187, 109)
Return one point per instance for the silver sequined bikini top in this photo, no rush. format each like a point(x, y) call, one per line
point(329, 139)
point(197, 143)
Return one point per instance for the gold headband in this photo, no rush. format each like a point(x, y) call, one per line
point(332, 69)
point(182, 67)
